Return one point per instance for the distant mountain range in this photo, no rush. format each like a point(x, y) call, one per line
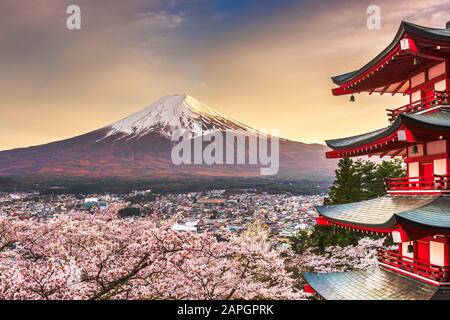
point(139, 147)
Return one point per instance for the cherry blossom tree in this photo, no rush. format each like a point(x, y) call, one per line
point(101, 256)
point(337, 259)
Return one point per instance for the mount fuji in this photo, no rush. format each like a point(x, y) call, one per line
point(139, 147)
point(174, 112)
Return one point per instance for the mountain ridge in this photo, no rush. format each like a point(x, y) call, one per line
point(139, 146)
point(173, 112)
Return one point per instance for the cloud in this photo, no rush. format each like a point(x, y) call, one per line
point(160, 19)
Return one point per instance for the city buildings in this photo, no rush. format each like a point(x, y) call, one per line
point(284, 214)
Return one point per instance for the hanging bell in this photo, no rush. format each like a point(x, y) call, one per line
point(410, 248)
point(415, 149)
point(352, 98)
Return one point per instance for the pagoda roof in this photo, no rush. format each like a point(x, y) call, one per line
point(372, 284)
point(437, 121)
point(378, 74)
point(386, 213)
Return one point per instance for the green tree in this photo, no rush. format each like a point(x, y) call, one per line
point(362, 180)
point(322, 237)
point(387, 169)
point(129, 212)
point(355, 181)
point(346, 187)
point(301, 241)
point(365, 175)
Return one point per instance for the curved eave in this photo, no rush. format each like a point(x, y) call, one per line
point(437, 121)
point(386, 227)
point(436, 214)
point(371, 284)
point(387, 138)
point(366, 138)
point(388, 213)
point(416, 226)
point(405, 29)
point(373, 215)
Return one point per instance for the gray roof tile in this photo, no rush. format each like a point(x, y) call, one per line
point(372, 284)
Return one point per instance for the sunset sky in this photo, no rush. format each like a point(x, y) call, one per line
point(265, 63)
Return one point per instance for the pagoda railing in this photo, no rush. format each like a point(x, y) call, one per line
point(415, 266)
point(436, 182)
point(438, 98)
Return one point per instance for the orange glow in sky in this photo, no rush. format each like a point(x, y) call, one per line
point(266, 67)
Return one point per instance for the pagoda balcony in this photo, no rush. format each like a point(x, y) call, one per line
point(415, 268)
point(434, 184)
point(439, 98)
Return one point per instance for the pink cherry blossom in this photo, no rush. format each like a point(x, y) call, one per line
point(101, 256)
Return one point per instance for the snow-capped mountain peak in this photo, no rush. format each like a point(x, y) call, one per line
point(139, 147)
point(174, 112)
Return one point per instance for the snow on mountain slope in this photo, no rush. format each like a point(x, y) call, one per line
point(174, 112)
point(139, 146)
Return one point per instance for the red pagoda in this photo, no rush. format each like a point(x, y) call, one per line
point(416, 209)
